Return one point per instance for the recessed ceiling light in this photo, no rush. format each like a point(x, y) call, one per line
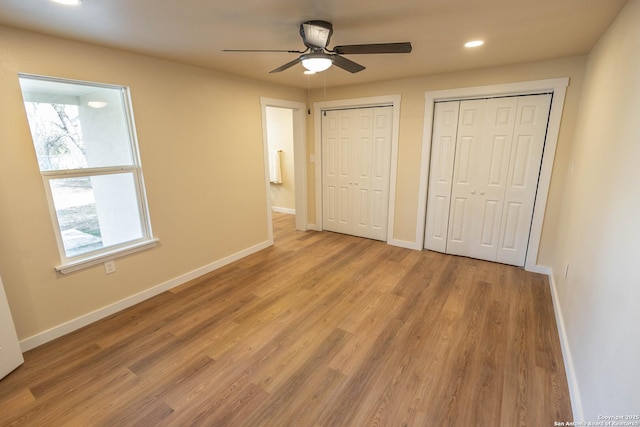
point(474, 43)
point(68, 2)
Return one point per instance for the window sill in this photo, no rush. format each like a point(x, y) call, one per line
point(70, 267)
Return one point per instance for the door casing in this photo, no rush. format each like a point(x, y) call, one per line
point(356, 157)
point(299, 111)
point(558, 88)
point(10, 351)
point(378, 101)
point(483, 199)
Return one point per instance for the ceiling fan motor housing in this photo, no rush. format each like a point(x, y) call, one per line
point(316, 34)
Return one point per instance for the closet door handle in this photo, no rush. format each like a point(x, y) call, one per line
point(473, 191)
point(482, 193)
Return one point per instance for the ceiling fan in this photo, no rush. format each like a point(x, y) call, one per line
point(317, 57)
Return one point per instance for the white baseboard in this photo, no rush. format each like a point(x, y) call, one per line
point(404, 244)
point(541, 269)
point(283, 210)
point(314, 227)
point(86, 319)
point(574, 392)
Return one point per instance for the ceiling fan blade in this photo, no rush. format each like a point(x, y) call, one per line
point(353, 49)
point(347, 64)
point(262, 50)
point(285, 66)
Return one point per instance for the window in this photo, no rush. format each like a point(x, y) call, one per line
point(87, 152)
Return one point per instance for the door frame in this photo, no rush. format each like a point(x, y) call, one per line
point(11, 352)
point(375, 101)
point(558, 88)
point(299, 110)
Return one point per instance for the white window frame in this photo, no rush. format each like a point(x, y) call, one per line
point(98, 256)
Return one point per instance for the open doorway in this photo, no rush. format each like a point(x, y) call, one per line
point(281, 165)
point(284, 139)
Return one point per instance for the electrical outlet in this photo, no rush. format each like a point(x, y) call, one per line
point(110, 267)
point(566, 269)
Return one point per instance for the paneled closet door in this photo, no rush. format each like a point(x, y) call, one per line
point(443, 148)
point(485, 132)
point(529, 134)
point(356, 152)
point(337, 133)
point(491, 178)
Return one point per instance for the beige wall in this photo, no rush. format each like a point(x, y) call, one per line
point(200, 137)
point(197, 130)
point(280, 137)
point(599, 232)
point(411, 129)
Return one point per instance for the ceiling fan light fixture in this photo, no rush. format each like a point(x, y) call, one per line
point(317, 62)
point(317, 65)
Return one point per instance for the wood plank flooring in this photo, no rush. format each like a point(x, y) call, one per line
point(321, 329)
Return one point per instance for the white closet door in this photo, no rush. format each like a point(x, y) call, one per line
point(371, 168)
point(522, 179)
point(336, 146)
point(356, 152)
point(360, 172)
point(480, 168)
point(489, 177)
point(463, 210)
point(494, 171)
point(10, 353)
point(443, 147)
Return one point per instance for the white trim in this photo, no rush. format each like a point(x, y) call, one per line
point(572, 380)
point(299, 111)
point(393, 172)
point(86, 319)
point(118, 252)
point(388, 100)
point(79, 173)
point(73, 263)
point(69, 81)
point(540, 269)
point(265, 163)
point(283, 210)
point(558, 87)
point(517, 88)
point(544, 179)
point(405, 244)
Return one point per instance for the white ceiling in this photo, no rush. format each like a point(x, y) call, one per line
point(195, 32)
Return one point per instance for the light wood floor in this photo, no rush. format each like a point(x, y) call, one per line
point(319, 330)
